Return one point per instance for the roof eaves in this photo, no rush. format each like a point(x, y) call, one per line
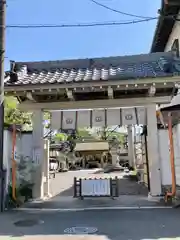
point(160, 23)
point(156, 33)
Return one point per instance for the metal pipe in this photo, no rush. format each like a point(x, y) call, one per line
point(173, 173)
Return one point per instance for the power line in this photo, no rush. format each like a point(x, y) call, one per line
point(118, 11)
point(80, 25)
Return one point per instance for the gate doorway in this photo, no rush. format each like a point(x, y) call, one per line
point(106, 89)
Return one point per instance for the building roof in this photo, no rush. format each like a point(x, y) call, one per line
point(83, 70)
point(165, 24)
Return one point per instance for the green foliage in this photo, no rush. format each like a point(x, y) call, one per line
point(13, 115)
point(60, 137)
point(106, 133)
point(83, 132)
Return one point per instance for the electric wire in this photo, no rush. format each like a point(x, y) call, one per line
point(118, 11)
point(80, 25)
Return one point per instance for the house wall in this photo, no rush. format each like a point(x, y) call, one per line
point(163, 134)
point(175, 34)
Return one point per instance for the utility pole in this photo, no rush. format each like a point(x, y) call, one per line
point(2, 73)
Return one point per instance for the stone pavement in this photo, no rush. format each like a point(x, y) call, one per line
point(62, 185)
point(131, 193)
point(69, 203)
point(108, 224)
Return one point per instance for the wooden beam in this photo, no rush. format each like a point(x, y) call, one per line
point(152, 91)
point(30, 97)
point(110, 93)
point(69, 94)
point(94, 104)
point(90, 84)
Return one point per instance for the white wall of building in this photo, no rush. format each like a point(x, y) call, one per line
point(163, 138)
point(175, 34)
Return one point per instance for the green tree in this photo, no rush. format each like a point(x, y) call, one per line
point(60, 137)
point(13, 115)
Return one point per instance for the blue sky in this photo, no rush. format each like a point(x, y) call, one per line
point(58, 43)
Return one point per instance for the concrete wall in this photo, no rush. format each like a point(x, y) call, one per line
point(165, 155)
point(23, 147)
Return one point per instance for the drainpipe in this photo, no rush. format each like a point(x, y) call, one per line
point(173, 174)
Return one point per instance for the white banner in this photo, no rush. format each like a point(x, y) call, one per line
point(141, 115)
point(56, 120)
point(95, 187)
point(113, 117)
point(98, 118)
point(83, 119)
point(69, 120)
point(128, 116)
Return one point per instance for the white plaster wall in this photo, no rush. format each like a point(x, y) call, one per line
point(165, 155)
point(23, 147)
point(27, 146)
point(176, 138)
point(7, 155)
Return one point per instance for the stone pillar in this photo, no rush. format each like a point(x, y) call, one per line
point(38, 153)
point(46, 169)
point(115, 161)
point(131, 153)
point(153, 151)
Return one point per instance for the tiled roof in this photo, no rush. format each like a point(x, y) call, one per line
point(111, 68)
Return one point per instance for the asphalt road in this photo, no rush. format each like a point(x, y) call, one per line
point(110, 224)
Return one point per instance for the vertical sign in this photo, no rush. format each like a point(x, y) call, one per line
point(69, 120)
point(98, 118)
point(128, 116)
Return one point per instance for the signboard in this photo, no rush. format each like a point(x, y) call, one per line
point(128, 116)
point(69, 120)
point(95, 187)
point(98, 118)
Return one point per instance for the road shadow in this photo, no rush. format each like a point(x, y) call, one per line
point(131, 187)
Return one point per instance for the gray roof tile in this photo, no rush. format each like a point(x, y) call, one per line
point(109, 68)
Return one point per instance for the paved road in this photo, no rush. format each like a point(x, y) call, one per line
point(132, 194)
point(110, 224)
point(62, 185)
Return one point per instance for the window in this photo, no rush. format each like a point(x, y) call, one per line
point(175, 47)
